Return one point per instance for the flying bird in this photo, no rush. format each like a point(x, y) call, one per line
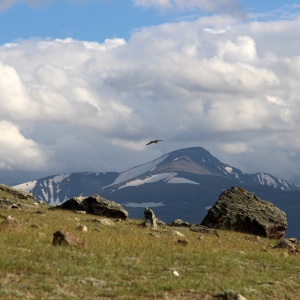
point(154, 142)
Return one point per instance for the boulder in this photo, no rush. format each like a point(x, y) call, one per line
point(95, 205)
point(240, 210)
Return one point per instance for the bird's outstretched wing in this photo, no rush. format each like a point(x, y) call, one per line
point(153, 142)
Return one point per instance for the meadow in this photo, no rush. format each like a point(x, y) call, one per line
point(130, 261)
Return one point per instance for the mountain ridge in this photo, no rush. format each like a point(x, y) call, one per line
point(183, 183)
point(194, 160)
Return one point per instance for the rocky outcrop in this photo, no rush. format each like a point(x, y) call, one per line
point(150, 219)
point(240, 210)
point(95, 205)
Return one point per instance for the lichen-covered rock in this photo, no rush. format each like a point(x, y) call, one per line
point(95, 205)
point(240, 210)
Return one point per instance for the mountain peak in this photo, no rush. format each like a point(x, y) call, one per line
point(191, 160)
point(193, 165)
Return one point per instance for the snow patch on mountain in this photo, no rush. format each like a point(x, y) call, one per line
point(181, 180)
point(228, 169)
point(266, 179)
point(27, 186)
point(269, 180)
point(59, 178)
point(166, 177)
point(54, 183)
point(134, 172)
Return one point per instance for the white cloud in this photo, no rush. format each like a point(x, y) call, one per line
point(231, 7)
point(17, 151)
point(227, 86)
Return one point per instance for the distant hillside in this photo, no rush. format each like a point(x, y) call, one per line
point(11, 197)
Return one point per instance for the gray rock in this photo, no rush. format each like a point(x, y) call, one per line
point(150, 219)
point(286, 243)
point(230, 295)
point(240, 210)
point(82, 228)
point(95, 205)
point(180, 223)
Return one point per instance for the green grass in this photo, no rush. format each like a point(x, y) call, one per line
point(126, 262)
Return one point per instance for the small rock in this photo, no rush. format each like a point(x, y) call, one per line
point(180, 223)
point(230, 295)
point(63, 237)
point(293, 240)
point(34, 226)
point(81, 228)
point(183, 242)
point(9, 220)
point(178, 233)
point(175, 273)
point(107, 222)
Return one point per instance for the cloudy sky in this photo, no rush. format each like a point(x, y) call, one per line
point(85, 84)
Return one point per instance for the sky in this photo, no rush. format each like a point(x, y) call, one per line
point(85, 84)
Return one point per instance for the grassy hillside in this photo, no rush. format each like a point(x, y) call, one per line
point(129, 261)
